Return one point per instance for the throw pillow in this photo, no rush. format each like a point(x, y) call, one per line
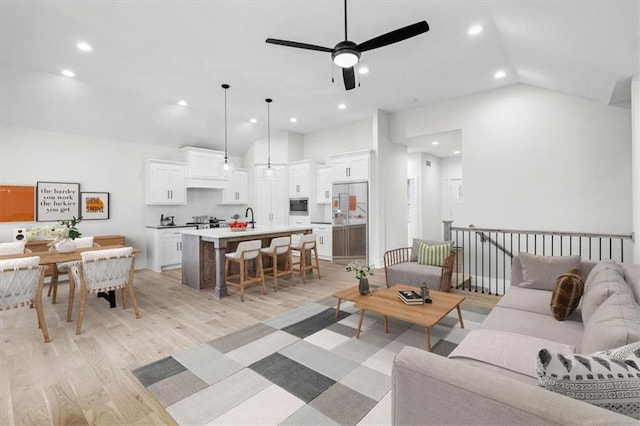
point(416, 247)
point(598, 379)
point(540, 272)
point(433, 255)
point(567, 291)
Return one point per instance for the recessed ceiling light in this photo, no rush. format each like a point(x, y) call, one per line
point(68, 73)
point(293, 120)
point(84, 46)
point(363, 70)
point(474, 30)
point(499, 74)
point(456, 152)
point(253, 120)
point(182, 103)
point(435, 143)
point(342, 106)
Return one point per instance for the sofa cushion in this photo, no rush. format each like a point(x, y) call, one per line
point(615, 323)
point(567, 291)
point(541, 271)
point(605, 279)
point(542, 326)
point(515, 352)
point(532, 300)
point(416, 247)
point(412, 273)
point(433, 255)
point(600, 379)
point(632, 277)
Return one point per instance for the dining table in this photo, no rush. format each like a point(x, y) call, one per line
point(52, 258)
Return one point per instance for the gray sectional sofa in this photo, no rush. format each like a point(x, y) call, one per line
point(491, 377)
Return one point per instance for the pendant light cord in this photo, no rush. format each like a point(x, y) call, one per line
point(226, 155)
point(268, 132)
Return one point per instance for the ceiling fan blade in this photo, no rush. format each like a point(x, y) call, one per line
point(349, 77)
point(298, 45)
point(395, 36)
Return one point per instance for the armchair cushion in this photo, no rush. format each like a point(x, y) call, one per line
point(416, 247)
point(12, 248)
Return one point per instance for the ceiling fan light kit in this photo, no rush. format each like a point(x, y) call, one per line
point(346, 54)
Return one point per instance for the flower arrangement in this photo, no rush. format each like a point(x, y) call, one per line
point(361, 270)
point(63, 230)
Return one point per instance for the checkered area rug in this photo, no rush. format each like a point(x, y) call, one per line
point(301, 367)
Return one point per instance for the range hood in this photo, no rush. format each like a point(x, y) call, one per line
point(203, 168)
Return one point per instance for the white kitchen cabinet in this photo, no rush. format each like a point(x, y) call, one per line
point(350, 167)
point(323, 191)
point(204, 168)
point(237, 192)
point(164, 248)
point(302, 179)
point(165, 182)
point(271, 197)
point(324, 240)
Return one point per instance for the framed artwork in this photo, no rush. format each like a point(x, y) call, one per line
point(94, 205)
point(17, 203)
point(57, 201)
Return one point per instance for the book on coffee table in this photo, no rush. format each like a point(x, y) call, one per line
point(410, 297)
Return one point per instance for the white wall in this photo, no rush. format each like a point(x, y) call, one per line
point(102, 165)
point(354, 136)
point(388, 213)
point(430, 211)
point(536, 159)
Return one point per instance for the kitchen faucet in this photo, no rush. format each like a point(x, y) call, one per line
point(252, 221)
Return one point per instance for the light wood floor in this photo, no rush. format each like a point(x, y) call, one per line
point(87, 379)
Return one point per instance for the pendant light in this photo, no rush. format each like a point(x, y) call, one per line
point(226, 168)
point(269, 173)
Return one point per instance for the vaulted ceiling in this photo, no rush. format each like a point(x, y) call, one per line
point(149, 55)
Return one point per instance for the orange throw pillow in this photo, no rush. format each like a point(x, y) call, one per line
point(567, 291)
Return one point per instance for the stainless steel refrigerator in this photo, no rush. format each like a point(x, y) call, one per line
point(350, 214)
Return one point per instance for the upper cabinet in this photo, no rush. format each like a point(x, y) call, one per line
point(237, 192)
point(323, 191)
point(165, 182)
point(302, 179)
point(350, 167)
point(204, 168)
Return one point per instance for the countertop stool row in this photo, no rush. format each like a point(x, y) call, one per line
point(281, 247)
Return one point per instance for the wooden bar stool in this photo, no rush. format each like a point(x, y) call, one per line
point(280, 246)
point(247, 250)
point(307, 244)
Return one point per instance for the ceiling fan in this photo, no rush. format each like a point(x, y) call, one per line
point(347, 53)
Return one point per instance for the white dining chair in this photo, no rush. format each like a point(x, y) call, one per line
point(21, 282)
point(62, 268)
point(16, 247)
point(102, 271)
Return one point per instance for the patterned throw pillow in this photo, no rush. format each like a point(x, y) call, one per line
point(608, 379)
point(433, 255)
point(567, 291)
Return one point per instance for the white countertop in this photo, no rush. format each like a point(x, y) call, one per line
point(219, 233)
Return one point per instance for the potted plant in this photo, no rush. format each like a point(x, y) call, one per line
point(361, 272)
point(61, 234)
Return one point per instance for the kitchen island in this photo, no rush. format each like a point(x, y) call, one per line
point(203, 252)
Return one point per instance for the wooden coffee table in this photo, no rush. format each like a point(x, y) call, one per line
point(385, 302)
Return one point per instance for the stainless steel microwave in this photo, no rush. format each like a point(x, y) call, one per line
point(299, 207)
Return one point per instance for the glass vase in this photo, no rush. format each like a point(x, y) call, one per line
point(363, 286)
